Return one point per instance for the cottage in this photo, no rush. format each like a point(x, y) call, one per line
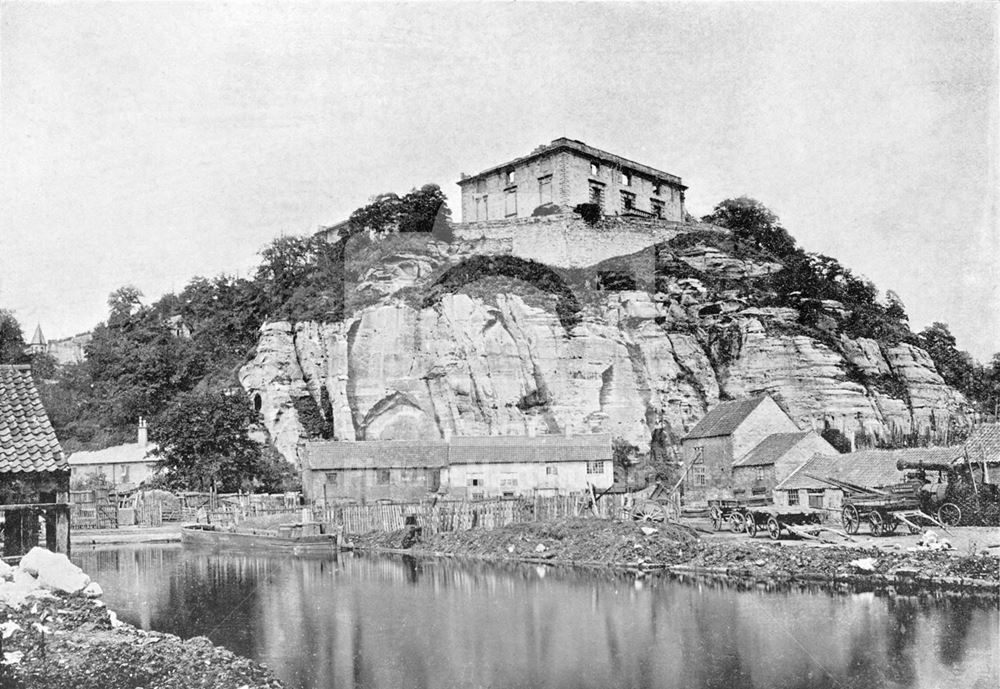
point(510, 466)
point(123, 467)
point(34, 475)
point(727, 432)
point(866, 468)
point(773, 459)
point(397, 470)
point(566, 173)
point(464, 467)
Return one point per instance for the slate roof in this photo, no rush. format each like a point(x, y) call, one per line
point(869, 468)
point(542, 449)
point(129, 453)
point(724, 418)
point(375, 454)
point(983, 442)
point(27, 441)
point(494, 449)
point(770, 449)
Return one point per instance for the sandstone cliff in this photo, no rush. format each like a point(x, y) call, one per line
point(499, 356)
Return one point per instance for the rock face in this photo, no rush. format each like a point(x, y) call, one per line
point(496, 364)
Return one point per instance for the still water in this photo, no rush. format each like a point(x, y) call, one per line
point(381, 623)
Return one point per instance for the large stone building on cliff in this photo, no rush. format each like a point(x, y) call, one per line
point(566, 173)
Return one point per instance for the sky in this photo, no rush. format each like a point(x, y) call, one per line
point(149, 143)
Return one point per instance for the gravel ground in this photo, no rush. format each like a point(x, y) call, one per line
point(69, 642)
point(625, 544)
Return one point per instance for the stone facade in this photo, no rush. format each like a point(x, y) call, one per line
point(566, 173)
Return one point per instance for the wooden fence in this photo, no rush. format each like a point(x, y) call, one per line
point(438, 516)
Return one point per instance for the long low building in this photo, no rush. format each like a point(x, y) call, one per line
point(466, 467)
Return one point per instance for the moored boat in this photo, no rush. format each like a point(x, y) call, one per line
point(294, 539)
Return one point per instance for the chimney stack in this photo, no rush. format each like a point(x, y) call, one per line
point(143, 434)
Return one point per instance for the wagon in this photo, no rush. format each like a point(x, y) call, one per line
point(732, 512)
point(801, 521)
point(885, 509)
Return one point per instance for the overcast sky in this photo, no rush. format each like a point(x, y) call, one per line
point(148, 143)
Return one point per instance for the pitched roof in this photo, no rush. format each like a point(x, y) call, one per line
point(27, 441)
point(129, 453)
point(375, 454)
point(724, 418)
point(869, 468)
point(770, 449)
point(494, 449)
point(542, 449)
point(564, 144)
point(983, 443)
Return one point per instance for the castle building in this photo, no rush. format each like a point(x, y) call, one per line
point(566, 173)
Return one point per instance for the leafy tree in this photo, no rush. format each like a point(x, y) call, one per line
point(957, 368)
point(12, 345)
point(204, 443)
point(752, 221)
point(421, 210)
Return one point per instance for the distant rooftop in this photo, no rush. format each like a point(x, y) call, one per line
point(564, 144)
point(724, 418)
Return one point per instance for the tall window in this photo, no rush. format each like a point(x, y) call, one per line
point(545, 190)
point(793, 497)
point(509, 177)
point(628, 201)
point(626, 178)
point(698, 475)
point(657, 207)
point(597, 195)
point(510, 203)
point(482, 208)
point(760, 473)
point(595, 168)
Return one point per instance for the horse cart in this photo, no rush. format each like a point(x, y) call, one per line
point(886, 509)
point(800, 521)
point(732, 513)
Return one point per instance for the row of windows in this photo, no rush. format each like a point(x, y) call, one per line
point(627, 201)
point(814, 495)
point(384, 476)
point(625, 178)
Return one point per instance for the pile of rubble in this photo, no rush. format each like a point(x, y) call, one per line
point(56, 633)
point(573, 540)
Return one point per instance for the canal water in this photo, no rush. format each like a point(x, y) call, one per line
point(380, 623)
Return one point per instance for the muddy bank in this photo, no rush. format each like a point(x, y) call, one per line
point(680, 549)
point(56, 634)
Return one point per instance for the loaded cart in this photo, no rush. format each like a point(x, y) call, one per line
point(731, 513)
point(885, 509)
point(800, 521)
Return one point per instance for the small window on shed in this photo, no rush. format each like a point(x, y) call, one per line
point(382, 476)
point(551, 470)
point(595, 467)
point(793, 497)
point(332, 478)
point(816, 498)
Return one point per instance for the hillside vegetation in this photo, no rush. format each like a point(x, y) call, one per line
point(178, 355)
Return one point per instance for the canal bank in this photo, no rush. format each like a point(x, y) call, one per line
point(56, 633)
point(683, 550)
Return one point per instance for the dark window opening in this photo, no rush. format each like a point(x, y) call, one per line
point(257, 402)
point(382, 476)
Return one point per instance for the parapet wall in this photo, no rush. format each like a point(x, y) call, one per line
point(565, 240)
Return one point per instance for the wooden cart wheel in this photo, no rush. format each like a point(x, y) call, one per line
point(737, 522)
point(751, 525)
point(949, 514)
point(851, 519)
point(649, 512)
point(773, 529)
point(876, 523)
point(716, 516)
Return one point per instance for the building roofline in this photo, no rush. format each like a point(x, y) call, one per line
point(564, 144)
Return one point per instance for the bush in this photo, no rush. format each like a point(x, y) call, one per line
point(590, 212)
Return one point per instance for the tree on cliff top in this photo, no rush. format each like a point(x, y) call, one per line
point(421, 210)
point(750, 220)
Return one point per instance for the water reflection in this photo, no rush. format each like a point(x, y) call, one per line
point(401, 622)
